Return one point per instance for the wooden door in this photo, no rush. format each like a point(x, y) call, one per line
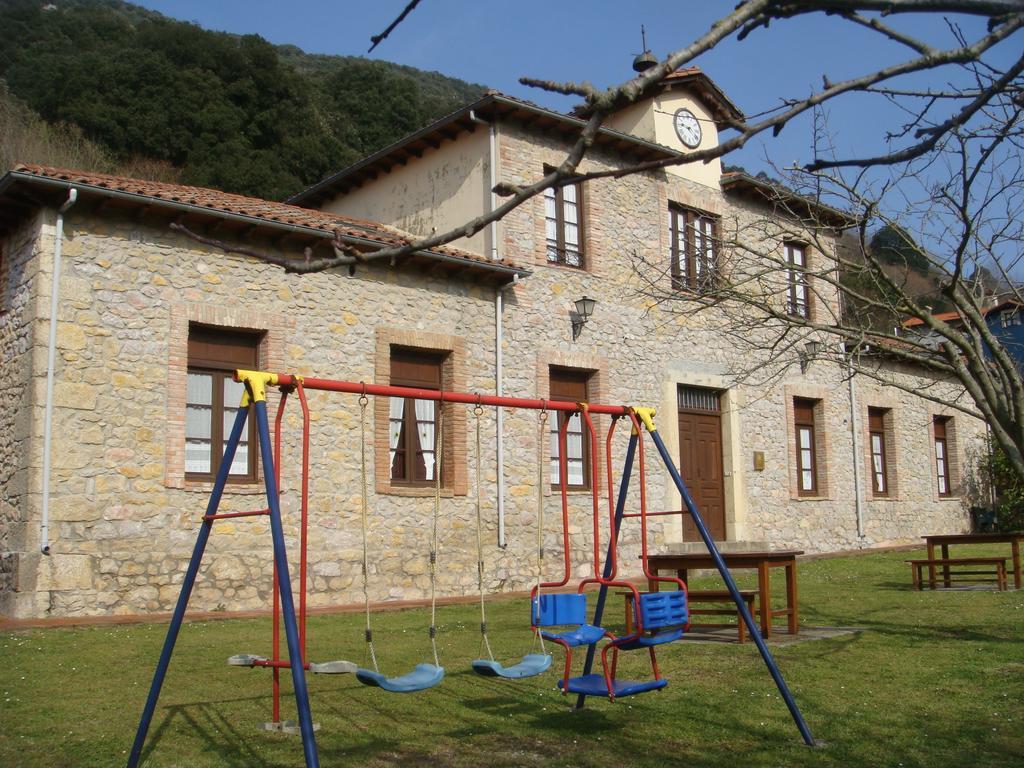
point(700, 461)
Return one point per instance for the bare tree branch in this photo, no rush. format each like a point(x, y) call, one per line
point(964, 350)
point(967, 135)
point(933, 133)
point(875, 25)
point(309, 264)
point(377, 39)
point(586, 90)
point(752, 12)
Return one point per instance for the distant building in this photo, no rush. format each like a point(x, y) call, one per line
point(1004, 318)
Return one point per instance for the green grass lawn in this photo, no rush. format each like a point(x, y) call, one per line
point(934, 678)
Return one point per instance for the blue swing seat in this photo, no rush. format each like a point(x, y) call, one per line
point(665, 617)
point(422, 677)
point(585, 634)
point(647, 641)
point(532, 664)
point(594, 685)
point(565, 610)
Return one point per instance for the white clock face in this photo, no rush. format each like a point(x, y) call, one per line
point(687, 128)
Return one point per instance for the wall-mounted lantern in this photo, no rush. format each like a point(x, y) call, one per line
point(584, 309)
point(808, 354)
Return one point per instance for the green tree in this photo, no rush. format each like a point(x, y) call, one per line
point(1009, 491)
point(233, 112)
point(894, 245)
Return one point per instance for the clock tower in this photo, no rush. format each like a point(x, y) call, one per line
point(685, 115)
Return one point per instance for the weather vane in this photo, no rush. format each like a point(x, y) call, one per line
point(646, 59)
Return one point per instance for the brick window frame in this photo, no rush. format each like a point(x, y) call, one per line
point(215, 353)
point(886, 408)
point(821, 446)
point(270, 356)
point(879, 454)
point(561, 205)
point(796, 256)
point(693, 248)
point(569, 384)
point(952, 455)
point(452, 351)
point(596, 366)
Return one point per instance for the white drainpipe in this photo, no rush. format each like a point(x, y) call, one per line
point(51, 355)
point(498, 332)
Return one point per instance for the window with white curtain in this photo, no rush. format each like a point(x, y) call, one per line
point(563, 221)
point(693, 249)
point(212, 402)
point(877, 434)
point(806, 447)
point(943, 426)
point(412, 422)
point(798, 296)
point(570, 385)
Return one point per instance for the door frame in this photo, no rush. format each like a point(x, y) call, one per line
point(733, 468)
point(681, 413)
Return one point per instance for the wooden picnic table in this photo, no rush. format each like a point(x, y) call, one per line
point(762, 562)
point(944, 540)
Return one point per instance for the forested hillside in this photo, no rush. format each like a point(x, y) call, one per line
point(167, 98)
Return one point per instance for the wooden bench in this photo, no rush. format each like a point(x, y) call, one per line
point(722, 596)
point(986, 570)
point(708, 596)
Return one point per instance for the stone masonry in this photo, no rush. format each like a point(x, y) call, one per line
point(124, 519)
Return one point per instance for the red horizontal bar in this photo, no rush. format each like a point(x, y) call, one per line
point(226, 515)
point(469, 398)
point(658, 514)
point(278, 664)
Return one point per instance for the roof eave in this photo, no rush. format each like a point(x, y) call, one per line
point(488, 104)
point(504, 270)
point(830, 216)
point(728, 112)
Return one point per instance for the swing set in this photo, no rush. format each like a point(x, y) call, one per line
point(556, 616)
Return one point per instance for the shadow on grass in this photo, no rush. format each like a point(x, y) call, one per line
point(894, 586)
point(906, 586)
point(923, 632)
point(233, 745)
point(600, 733)
point(218, 734)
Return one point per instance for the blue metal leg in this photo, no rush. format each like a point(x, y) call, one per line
point(602, 595)
point(186, 588)
point(285, 587)
point(733, 590)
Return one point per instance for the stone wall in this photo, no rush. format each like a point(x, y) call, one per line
point(124, 517)
point(644, 349)
point(20, 258)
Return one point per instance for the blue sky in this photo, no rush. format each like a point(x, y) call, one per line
point(497, 41)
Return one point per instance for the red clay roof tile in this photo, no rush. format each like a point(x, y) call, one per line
point(216, 201)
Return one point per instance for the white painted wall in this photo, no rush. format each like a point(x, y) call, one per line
point(653, 120)
point(443, 189)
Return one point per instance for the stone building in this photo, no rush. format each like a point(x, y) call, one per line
point(107, 449)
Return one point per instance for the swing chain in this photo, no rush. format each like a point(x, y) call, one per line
point(363, 402)
point(484, 640)
point(542, 420)
point(438, 454)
